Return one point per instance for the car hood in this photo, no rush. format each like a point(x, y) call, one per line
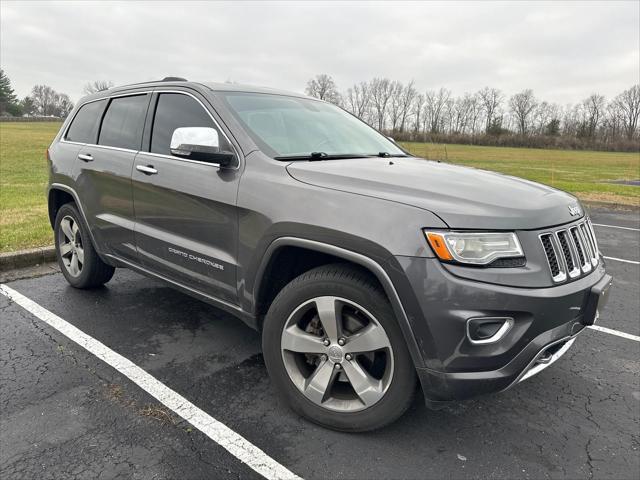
point(462, 197)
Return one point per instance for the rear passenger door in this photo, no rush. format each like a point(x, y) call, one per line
point(186, 219)
point(104, 174)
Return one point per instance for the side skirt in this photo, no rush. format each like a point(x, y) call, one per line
point(235, 310)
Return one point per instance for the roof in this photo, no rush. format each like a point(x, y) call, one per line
point(170, 81)
point(235, 87)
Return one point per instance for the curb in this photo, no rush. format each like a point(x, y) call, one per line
point(27, 258)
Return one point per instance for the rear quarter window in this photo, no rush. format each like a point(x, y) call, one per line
point(124, 121)
point(84, 127)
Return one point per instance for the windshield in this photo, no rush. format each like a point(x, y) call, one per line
point(297, 127)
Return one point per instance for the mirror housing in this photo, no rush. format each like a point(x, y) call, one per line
point(201, 144)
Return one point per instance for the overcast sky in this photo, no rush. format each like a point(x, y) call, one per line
point(564, 51)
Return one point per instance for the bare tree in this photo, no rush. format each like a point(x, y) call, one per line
point(612, 125)
point(97, 86)
point(542, 117)
point(435, 103)
point(462, 111)
point(381, 91)
point(491, 99)
point(628, 102)
point(522, 106)
point(395, 105)
point(475, 111)
point(593, 108)
point(357, 99)
point(64, 105)
point(46, 101)
point(418, 105)
point(409, 94)
point(324, 88)
point(571, 119)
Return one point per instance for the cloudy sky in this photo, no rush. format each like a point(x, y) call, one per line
point(564, 51)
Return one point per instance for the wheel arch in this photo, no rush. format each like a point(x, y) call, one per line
point(57, 198)
point(60, 194)
point(324, 254)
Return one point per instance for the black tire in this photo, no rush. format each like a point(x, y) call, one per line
point(355, 285)
point(94, 272)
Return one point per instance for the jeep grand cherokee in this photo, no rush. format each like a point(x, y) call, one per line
point(365, 269)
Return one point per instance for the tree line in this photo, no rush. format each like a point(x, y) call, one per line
point(488, 116)
point(485, 117)
point(43, 100)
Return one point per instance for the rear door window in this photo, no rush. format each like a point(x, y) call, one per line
point(124, 121)
point(175, 110)
point(84, 127)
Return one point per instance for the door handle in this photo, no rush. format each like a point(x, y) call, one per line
point(146, 169)
point(85, 157)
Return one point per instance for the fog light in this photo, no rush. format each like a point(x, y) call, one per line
point(485, 330)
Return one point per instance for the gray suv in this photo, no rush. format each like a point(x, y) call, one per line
point(366, 270)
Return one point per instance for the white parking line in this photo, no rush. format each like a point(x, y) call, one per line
point(633, 262)
point(615, 332)
point(615, 226)
point(234, 443)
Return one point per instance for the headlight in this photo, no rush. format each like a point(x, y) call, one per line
point(478, 248)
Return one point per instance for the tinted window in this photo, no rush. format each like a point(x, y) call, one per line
point(174, 111)
point(123, 123)
point(84, 128)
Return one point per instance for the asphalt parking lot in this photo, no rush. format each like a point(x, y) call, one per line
point(64, 413)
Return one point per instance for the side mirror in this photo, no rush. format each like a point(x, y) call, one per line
point(200, 143)
point(391, 139)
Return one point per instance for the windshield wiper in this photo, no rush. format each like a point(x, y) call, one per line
point(388, 155)
point(316, 156)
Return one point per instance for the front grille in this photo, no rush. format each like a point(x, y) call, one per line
point(570, 252)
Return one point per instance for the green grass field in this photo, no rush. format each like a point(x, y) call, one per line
point(23, 181)
point(23, 175)
point(584, 173)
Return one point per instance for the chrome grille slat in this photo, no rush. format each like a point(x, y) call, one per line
point(593, 236)
point(571, 251)
point(586, 240)
point(587, 250)
point(585, 263)
point(570, 255)
point(586, 228)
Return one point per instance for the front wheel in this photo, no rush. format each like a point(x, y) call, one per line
point(334, 350)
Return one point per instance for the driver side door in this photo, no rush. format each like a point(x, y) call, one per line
point(186, 221)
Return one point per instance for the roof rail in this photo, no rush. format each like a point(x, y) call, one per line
point(174, 79)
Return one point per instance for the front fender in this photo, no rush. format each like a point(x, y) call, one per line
point(373, 266)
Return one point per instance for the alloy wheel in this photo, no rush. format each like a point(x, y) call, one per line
point(70, 246)
point(337, 354)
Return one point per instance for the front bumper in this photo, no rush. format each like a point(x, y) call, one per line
point(546, 322)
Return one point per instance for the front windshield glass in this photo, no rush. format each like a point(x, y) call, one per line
point(289, 126)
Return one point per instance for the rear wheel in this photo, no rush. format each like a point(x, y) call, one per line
point(334, 350)
point(78, 260)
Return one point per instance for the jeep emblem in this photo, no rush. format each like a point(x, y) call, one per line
point(335, 354)
point(574, 210)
